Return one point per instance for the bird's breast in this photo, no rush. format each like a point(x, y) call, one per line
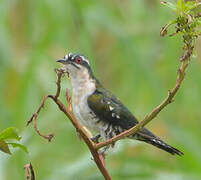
point(85, 115)
point(80, 105)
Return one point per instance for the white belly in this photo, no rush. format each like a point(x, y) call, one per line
point(83, 86)
point(84, 114)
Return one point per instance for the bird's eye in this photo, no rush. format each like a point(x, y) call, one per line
point(78, 60)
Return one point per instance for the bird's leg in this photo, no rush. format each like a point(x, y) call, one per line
point(103, 150)
point(96, 138)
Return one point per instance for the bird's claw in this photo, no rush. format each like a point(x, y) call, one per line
point(103, 150)
point(96, 138)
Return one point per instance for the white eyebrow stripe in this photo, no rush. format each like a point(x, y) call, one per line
point(74, 55)
point(70, 54)
point(86, 60)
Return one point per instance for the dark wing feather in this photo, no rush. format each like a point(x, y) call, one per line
point(110, 109)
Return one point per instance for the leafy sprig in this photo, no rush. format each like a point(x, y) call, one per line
point(10, 134)
point(186, 24)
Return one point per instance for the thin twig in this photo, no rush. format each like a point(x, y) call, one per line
point(29, 172)
point(34, 117)
point(59, 72)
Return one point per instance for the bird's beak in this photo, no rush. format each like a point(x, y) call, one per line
point(63, 61)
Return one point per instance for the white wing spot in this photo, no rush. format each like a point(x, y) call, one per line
point(111, 108)
point(113, 114)
point(108, 102)
point(117, 116)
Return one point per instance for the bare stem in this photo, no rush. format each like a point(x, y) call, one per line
point(59, 72)
point(98, 157)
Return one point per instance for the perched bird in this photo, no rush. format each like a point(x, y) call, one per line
point(98, 109)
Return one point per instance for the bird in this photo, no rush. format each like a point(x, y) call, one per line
point(100, 110)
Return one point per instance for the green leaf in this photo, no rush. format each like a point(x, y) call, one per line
point(169, 5)
point(190, 5)
point(9, 133)
point(14, 145)
point(4, 147)
point(181, 4)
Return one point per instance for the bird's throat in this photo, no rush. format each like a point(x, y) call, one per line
point(83, 85)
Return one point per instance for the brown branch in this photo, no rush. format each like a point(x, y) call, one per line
point(98, 157)
point(29, 172)
point(34, 117)
point(169, 99)
point(60, 73)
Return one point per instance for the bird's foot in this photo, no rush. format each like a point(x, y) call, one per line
point(96, 138)
point(103, 150)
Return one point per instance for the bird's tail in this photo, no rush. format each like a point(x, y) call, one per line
point(155, 141)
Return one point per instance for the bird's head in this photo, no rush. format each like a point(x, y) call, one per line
point(75, 64)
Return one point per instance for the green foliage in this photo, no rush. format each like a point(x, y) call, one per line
point(182, 7)
point(170, 5)
point(187, 19)
point(16, 145)
point(186, 24)
point(10, 134)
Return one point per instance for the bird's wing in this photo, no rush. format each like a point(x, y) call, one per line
point(110, 109)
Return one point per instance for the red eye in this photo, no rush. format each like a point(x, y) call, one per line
point(78, 60)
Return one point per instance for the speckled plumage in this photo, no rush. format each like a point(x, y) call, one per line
point(98, 109)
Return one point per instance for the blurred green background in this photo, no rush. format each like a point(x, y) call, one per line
point(121, 39)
